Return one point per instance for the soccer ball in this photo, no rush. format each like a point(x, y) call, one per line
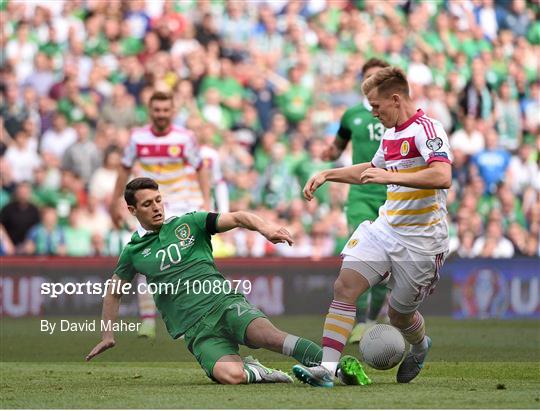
point(382, 347)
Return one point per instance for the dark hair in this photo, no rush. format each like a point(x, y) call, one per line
point(373, 62)
point(160, 96)
point(140, 183)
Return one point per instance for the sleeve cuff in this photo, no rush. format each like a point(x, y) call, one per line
point(441, 159)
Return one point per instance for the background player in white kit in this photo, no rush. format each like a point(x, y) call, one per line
point(171, 156)
point(408, 239)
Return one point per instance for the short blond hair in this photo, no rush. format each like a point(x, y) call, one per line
point(387, 80)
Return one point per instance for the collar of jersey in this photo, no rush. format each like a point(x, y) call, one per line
point(143, 231)
point(401, 127)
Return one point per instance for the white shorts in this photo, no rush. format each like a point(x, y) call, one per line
point(377, 257)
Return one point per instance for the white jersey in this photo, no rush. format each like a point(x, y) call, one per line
point(171, 159)
point(212, 162)
point(414, 217)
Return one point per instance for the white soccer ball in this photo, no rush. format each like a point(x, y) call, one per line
point(382, 347)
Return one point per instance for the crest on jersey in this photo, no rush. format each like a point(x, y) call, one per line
point(434, 144)
point(174, 151)
point(352, 243)
point(357, 121)
point(146, 252)
point(182, 232)
point(405, 148)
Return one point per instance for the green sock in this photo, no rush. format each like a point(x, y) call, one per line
point(378, 297)
point(361, 307)
point(302, 350)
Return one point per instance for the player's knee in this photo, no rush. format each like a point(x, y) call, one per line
point(339, 288)
point(344, 292)
point(398, 319)
point(230, 375)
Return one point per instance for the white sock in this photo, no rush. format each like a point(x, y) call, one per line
point(421, 347)
point(289, 344)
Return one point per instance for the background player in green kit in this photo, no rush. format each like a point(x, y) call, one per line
point(194, 298)
point(365, 132)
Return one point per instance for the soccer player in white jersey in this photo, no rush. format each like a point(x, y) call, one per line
point(171, 156)
point(409, 239)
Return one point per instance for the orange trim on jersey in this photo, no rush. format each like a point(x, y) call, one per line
point(162, 167)
point(410, 195)
point(425, 210)
point(170, 180)
point(412, 169)
point(416, 224)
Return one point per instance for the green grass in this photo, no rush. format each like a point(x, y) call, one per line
point(473, 364)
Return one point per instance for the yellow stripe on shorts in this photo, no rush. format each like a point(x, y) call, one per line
point(425, 210)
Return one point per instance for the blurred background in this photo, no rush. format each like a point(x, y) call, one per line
point(266, 83)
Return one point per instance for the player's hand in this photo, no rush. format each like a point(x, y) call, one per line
point(376, 175)
point(116, 215)
point(330, 153)
point(103, 345)
point(313, 184)
point(276, 234)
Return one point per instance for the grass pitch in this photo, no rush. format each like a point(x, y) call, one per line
point(473, 364)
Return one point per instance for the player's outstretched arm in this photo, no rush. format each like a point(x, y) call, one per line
point(203, 175)
point(349, 175)
point(111, 304)
point(272, 232)
point(121, 181)
point(438, 175)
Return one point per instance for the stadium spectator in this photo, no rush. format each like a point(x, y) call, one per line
point(47, 237)
point(82, 157)
point(6, 245)
point(493, 244)
point(12, 110)
point(508, 118)
point(94, 217)
point(101, 185)
point(20, 52)
point(492, 162)
point(58, 138)
point(19, 215)
point(22, 157)
point(119, 109)
point(468, 139)
point(78, 238)
point(42, 77)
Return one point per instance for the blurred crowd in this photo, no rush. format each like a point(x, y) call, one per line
point(265, 83)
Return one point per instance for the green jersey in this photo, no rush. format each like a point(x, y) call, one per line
point(177, 262)
point(365, 132)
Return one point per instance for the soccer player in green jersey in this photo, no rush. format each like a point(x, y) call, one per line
point(194, 298)
point(365, 132)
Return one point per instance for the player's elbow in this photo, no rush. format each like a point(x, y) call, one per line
point(445, 182)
